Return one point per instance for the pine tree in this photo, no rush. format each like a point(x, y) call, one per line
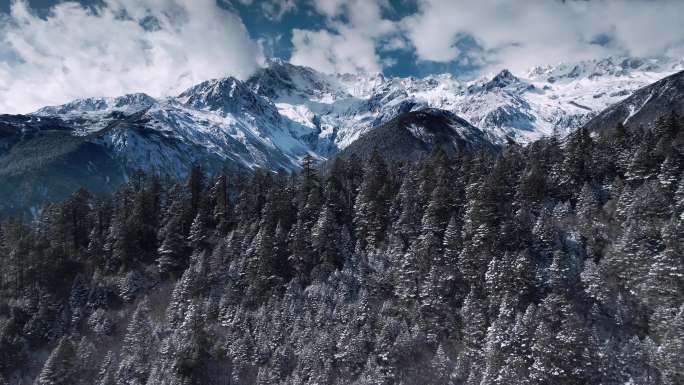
point(594, 283)
point(301, 258)
point(222, 209)
point(560, 274)
point(609, 368)
point(498, 343)
point(515, 369)
point(138, 348)
point(189, 352)
point(523, 283)
point(325, 237)
point(441, 366)
point(172, 249)
point(634, 362)
point(679, 199)
point(590, 221)
point(77, 298)
point(186, 288)
point(471, 358)
point(644, 164)
point(577, 162)
point(664, 282)
point(453, 243)
point(263, 265)
point(198, 233)
point(372, 203)
point(671, 350)
point(195, 185)
point(452, 278)
point(86, 368)
point(670, 170)
point(534, 265)
point(433, 305)
point(60, 365)
point(408, 277)
point(561, 349)
point(436, 215)
point(106, 374)
point(408, 209)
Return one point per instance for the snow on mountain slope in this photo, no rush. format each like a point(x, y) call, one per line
point(214, 122)
point(414, 135)
point(644, 107)
point(125, 103)
point(284, 112)
point(94, 114)
point(547, 100)
point(170, 136)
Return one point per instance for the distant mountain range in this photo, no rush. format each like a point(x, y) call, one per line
point(284, 112)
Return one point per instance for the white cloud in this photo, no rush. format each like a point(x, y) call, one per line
point(331, 52)
point(344, 46)
point(276, 9)
point(519, 35)
point(77, 52)
point(395, 43)
point(330, 8)
point(269, 43)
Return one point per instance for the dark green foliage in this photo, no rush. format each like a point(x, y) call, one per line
point(555, 263)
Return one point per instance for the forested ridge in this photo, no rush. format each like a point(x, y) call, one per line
point(560, 262)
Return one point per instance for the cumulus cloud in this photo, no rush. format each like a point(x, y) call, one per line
point(155, 46)
point(276, 9)
point(395, 43)
point(330, 8)
point(349, 43)
point(544, 31)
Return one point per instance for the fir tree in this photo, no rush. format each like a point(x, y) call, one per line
point(372, 202)
point(60, 365)
point(172, 248)
point(138, 348)
point(198, 233)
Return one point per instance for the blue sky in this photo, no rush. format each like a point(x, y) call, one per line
point(53, 51)
point(275, 32)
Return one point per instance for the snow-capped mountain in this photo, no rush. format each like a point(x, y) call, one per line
point(284, 112)
point(416, 134)
point(543, 101)
point(214, 122)
point(644, 107)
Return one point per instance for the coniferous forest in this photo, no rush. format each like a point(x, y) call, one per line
point(560, 262)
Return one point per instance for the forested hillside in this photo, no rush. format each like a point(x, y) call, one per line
point(560, 262)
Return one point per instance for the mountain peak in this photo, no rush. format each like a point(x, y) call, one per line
point(128, 103)
point(613, 66)
point(281, 78)
point(503, 79)
point(415, 134)
point(226, 94)
point(505, 75)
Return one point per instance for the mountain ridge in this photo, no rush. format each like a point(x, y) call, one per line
point(414, 135)
point(285, 112)
point(645, 106)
